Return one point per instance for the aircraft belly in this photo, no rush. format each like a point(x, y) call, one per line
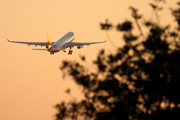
point(52, 50)
point(56, 50)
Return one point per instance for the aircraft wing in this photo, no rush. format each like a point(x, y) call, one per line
point(72, 44)
point(31, 43)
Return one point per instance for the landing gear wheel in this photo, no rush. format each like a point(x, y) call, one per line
point(70, 52)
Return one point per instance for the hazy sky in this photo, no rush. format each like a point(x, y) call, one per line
point(31, 83)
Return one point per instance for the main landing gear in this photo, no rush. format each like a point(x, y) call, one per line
point(70, 52)
point(52, 53)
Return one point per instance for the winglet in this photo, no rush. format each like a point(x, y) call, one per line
point(8, 40)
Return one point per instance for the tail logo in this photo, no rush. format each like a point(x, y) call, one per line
point(49, 42)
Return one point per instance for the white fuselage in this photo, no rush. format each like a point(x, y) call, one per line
point(57, 46)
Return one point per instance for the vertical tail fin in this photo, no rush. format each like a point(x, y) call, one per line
point(49, 42)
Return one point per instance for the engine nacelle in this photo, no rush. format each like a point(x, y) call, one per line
point(47, 46)
point(79, 47)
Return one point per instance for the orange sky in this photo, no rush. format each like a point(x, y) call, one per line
point(31, 82)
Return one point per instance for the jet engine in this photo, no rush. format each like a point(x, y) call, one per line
point(79, 47)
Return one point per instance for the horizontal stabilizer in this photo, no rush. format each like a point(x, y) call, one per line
point(40, 49)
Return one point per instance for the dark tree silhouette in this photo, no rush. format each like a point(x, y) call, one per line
point(140, 81)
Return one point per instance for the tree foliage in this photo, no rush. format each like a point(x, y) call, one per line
point(140, 81)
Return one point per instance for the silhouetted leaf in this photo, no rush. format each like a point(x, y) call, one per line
point(106, 25)
point(126, 26)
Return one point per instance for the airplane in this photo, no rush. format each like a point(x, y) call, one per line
point(63, 43)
